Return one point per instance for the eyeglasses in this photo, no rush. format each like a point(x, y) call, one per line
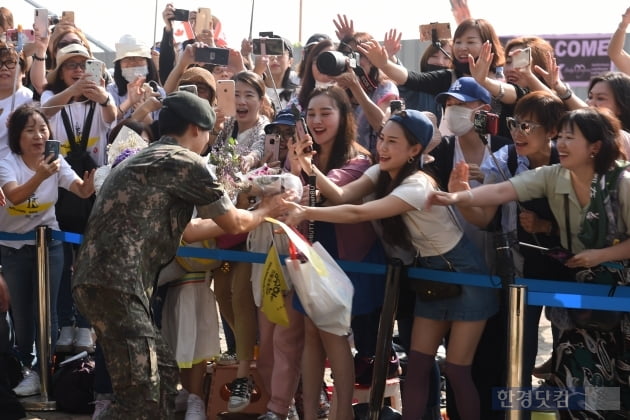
point(74, 65)
point(525, 127)
point(62, 44)
point(9, 64)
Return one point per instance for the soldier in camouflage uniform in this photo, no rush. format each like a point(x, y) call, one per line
point(135, 229)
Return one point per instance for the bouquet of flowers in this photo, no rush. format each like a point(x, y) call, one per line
point(224, 164)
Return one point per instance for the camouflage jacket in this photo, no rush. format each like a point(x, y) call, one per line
point(140, 214)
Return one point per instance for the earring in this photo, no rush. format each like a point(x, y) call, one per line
point(592, 156)
point(410, 160)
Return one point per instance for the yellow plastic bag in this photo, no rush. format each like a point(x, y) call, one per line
point(273, 288)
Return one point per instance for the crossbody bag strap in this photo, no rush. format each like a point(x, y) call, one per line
point(567, 222)
point(85, 133)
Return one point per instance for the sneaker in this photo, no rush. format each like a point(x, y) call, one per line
point(83, 340)
point(99, 407)
point(270, 415)
point(241, 392)
point(29, 386)
point(65, 340)
point(195, 409)
point(226, 359)
point(181, 400)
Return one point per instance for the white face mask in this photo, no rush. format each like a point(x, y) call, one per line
point(458, 118)
point(130, 73)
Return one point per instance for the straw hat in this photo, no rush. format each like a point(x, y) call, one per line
point(67, 52)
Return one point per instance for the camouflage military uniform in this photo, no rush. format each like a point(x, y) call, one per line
point(135, 229)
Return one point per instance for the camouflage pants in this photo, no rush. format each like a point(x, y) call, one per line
point(143, 371)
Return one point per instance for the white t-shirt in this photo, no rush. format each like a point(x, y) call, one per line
point(77, 113)
point(22, 96)
point(37, 210)
point(433, 232)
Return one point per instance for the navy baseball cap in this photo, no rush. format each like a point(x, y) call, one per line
point(465, 89)
point(285, 117)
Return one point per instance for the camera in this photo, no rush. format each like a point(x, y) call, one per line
point(333, 63)
point(486, 123)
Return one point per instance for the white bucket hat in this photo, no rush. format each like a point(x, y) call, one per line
point(129, 46)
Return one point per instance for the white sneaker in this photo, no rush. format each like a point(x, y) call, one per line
point(29, 386)
point(195, 409)
point(65, 340)
point(181, 400)
point(99, 407)
point(83, 340)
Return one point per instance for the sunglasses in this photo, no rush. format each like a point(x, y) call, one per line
point(525, 127)
point(62, 44)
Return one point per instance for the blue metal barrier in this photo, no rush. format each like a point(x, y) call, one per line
point(564, 294)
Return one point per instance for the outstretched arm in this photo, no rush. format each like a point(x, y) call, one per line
point(615, 49)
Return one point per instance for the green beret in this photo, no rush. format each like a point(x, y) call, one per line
point(189, 107)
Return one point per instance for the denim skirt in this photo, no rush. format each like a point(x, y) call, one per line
point(475, 303)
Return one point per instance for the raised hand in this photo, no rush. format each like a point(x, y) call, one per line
point(375, 52)
point(392, 43)
point(458, 181)
point(345, 27)
point(479, 69)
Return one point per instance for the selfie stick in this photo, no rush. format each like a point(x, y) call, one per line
point(155, 23)
point(437, 44)
point(251, 22)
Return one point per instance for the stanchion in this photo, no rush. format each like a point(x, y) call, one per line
point(40, 402)
point(516, 323)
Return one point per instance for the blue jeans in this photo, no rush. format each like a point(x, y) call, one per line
point(20, 272)
point(67, 312)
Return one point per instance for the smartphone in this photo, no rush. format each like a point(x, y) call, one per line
point(521, 58)
point(211, 55)
point(181, 15)
point(268, 46)
point(13, 34)
point(188, 88)
point(272, 146)
point(396, 105)
point(41, 22)
point(67, 16)
point(203, 20)
point(94, 69)
point(435, 31)
point(226, 100)
point(559, 254)
point(52, 147)
point(301, 128)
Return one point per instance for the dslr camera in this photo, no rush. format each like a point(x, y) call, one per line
point(486, 123)
point(333, 63)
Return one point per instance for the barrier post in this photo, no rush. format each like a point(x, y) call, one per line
point(384, 338)
point(517, 301)
point(40, 402)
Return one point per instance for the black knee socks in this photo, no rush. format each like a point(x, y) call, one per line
point(416, 391)
point(466, 395)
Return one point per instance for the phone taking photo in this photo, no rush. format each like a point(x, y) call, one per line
point(521, 58)
point(94, 69)
point(181, 15)
point(435, 31)
point(272, 146)
point(218, 56)
point(203, 21)
point(268, 46)
point(52, 147)
point(226, 99)
point(41, 22)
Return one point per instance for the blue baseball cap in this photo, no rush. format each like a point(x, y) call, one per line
point(285, 117)
point(417, 123)
point(465, 89)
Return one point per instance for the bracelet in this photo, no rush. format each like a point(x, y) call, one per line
point(567, 94)
point(499, 95)
point(35, 57)
point(106, 102)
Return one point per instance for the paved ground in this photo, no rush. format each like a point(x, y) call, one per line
point(544, 351)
